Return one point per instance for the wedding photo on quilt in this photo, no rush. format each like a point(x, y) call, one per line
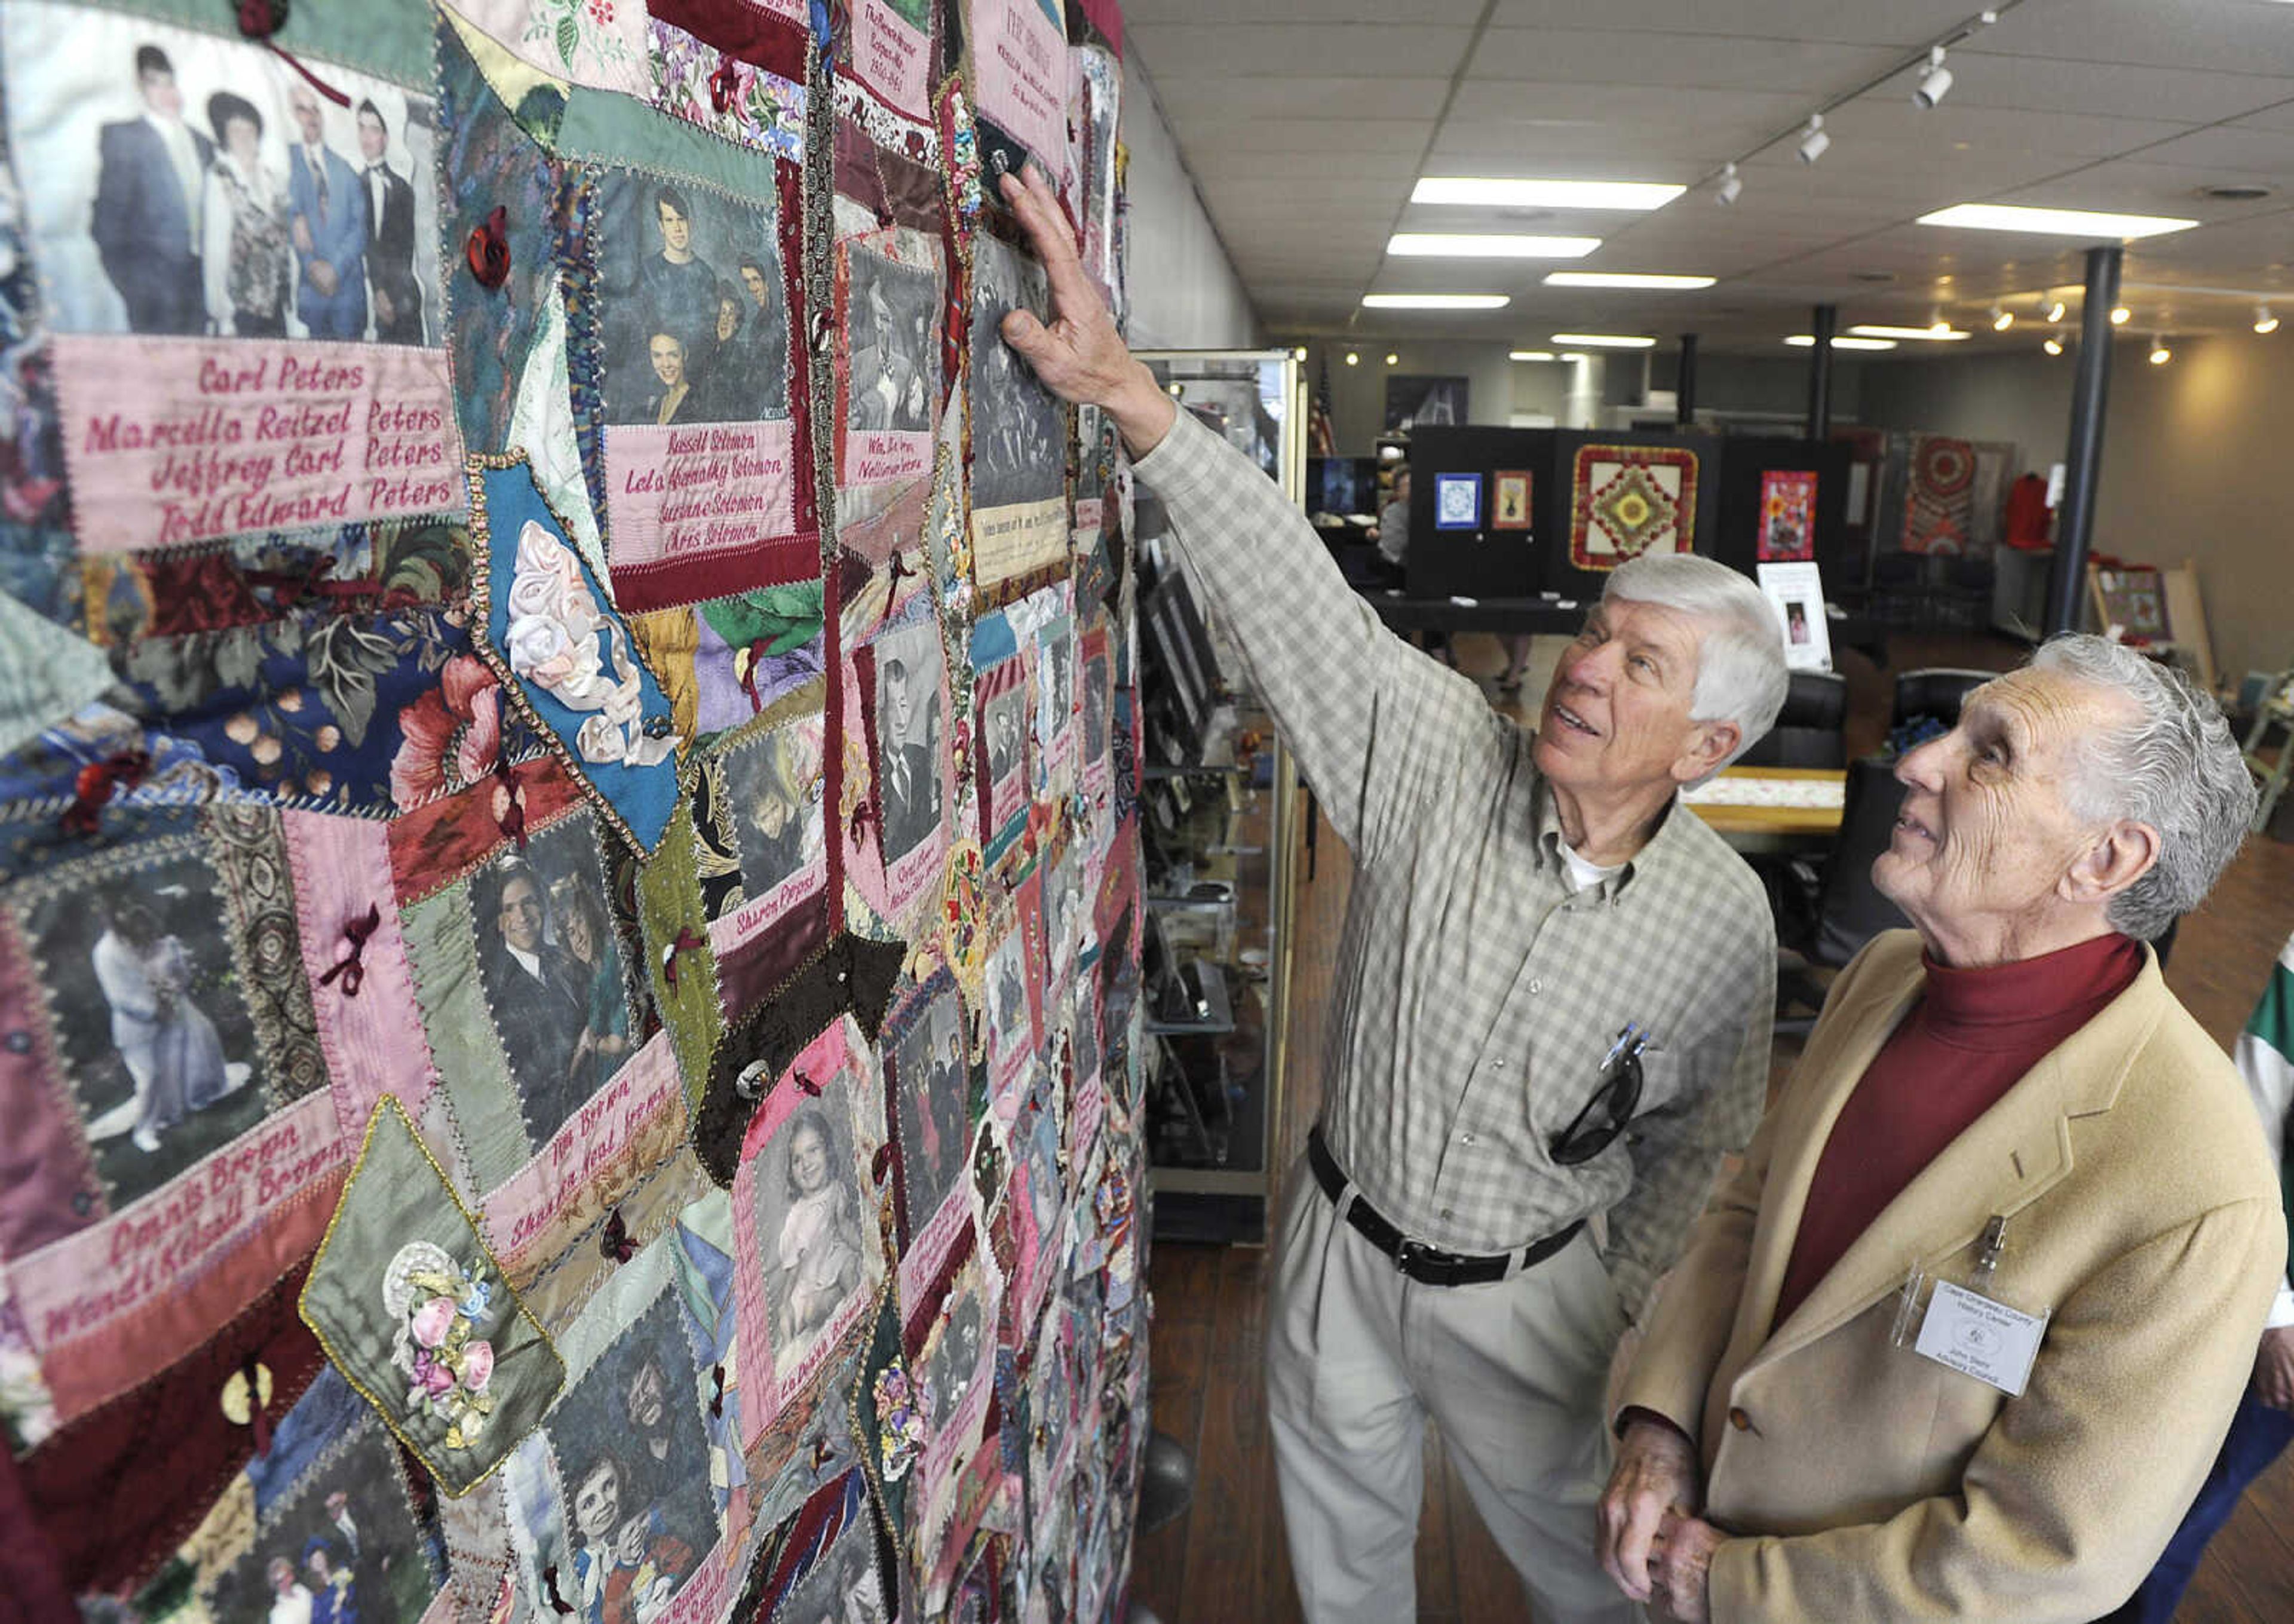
point(569, 1038)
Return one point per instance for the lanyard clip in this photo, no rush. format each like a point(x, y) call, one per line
point(1988, 1249)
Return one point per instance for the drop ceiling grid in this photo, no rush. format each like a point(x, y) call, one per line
point(1666, 90)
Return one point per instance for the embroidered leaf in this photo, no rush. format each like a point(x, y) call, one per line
point(569, 36)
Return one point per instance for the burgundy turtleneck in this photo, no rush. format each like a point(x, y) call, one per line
point(1972, 1037)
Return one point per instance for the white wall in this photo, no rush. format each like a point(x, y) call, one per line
point(2194, 462)
point(1184, 292)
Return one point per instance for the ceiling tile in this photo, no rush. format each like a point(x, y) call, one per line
point(2222, 35)
point(1273, 51)
point(1982, 78)
point(1887, 22)
point(1709, 61)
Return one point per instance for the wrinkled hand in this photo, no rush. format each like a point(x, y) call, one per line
point(1684, 1549)
point(1080, 357)
point(2273, 1368)
point(323, 278)
point(1656, 1476)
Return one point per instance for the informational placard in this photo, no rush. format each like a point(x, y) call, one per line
point(1797, 592)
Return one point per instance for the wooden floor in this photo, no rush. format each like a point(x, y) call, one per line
point(1225, 1562)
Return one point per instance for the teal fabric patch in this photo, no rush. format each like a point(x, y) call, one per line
point(411, 1309)
point(613, 128)
point(442, 947)
point(391, 41)
point(572, 654)
point(47, 674)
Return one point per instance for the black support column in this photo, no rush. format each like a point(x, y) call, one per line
point(2083, 465)
point(1684, 383)
point(1826, 319)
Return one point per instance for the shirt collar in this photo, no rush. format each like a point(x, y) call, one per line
point(1545, 829)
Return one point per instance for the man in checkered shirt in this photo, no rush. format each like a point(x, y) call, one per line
point(1536, 923)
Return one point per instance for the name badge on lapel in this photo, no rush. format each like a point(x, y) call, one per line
point(1966, 1330)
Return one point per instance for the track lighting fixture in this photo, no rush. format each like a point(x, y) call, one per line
point(2002, 317)
point(1935, 84)
point(1392, 361)
point(1731, 187)
point(2055, 310)
point(2160, 354)
point(1353, 358)
point(2264, 321)
point(2055, 343)
point(1813, 145)
point(2120, 316)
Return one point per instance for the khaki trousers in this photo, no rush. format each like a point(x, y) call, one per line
point(1358, 1356)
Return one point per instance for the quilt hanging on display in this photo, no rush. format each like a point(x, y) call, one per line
point(568, 1027)
point(1630, 499)
point(1939, 492)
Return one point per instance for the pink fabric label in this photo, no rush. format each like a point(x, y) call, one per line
point(157, 1245)
point(373, 1040)
point(681, 493)
point(893, 57)
point(172, 441)
point(640, 1110)
point(884, 457)
point(1020, 57)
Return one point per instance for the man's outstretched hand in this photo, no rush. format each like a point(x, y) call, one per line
point(1080, 357)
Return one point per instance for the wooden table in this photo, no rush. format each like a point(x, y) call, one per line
point(1767, 830)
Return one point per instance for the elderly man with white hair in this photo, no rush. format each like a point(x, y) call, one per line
point(1961, 1338)
point(1554, 995)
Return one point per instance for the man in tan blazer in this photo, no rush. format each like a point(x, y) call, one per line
point(2015, 1083)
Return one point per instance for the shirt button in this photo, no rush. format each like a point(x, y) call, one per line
point(1738, 1419)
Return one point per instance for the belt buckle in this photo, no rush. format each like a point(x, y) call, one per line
point(1408, 1253)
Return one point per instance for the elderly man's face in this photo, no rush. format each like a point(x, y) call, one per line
point(1984, 836)
point(306, 118)
point(1616, 714)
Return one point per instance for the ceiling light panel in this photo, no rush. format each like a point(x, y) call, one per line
point(1639, 196)
point(1623, 279)
point(2055, 222)
point(1604, 341)
point(1476, 244)
point(1807, 341)
point(1435, 301)
point(1933, 334)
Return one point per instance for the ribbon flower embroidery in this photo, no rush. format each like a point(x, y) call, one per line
point(438, 1309)
point(561, 642)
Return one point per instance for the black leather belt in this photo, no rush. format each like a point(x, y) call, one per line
point(1427, 1265)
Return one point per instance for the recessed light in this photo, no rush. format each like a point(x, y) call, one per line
point(1353, 358)
point(1488, 245)
point(1622, 279)
point(2055, 222)
point(1435, 301)
point(1530, 355)
point(1938, 334)
point(1606, 341)
point(1393, 360)
point(2236, 193)
point(1573, 354)
point(1638, 195)
point(1807, 341)
point(2120, 315)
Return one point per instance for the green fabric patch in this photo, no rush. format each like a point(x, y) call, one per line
point(675, 927)
point(606, 126)
point(411, 1309)
point(443, 950)
point(392, 42)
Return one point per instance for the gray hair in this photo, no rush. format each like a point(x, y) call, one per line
point(1740, 658)
point(2174, 766)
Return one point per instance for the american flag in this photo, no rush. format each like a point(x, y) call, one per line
point(1320, 441)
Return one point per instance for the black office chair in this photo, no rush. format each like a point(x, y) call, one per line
point(1809, 729)
point(1849, 909)
point(1965, 601)
point(1935, 691)
point(1901, 595)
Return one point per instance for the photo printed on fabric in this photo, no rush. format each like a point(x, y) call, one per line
point(242, 278)
point(931, 1085)
point(151, 1022)
point(1018, 437)
point(338, 1544)
point(632, 1458)
point(552, 970)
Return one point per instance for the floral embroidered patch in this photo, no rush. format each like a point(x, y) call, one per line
point(412, 1310)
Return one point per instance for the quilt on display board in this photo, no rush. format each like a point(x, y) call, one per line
point(1939, 492)
point(1631, 500)
point(568, 856)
